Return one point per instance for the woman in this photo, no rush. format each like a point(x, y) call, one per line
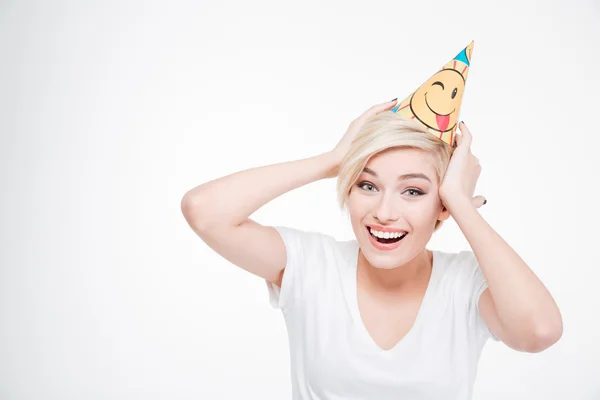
point(382, 317)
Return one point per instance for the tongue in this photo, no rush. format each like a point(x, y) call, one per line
point(442, 121)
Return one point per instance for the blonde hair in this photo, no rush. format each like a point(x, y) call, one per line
point(384, 131)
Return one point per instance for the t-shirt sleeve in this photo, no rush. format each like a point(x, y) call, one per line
point(302, 254)
point(477, 285)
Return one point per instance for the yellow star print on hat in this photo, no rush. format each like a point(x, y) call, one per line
point(436, 103)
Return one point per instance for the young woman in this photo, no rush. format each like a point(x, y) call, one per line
point(381, 316)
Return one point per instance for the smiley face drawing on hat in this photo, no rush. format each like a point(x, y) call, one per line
point(436, 103)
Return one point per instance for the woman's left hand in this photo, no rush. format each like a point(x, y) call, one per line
point(458, 184)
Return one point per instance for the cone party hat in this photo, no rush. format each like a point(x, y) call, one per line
point(436, 103)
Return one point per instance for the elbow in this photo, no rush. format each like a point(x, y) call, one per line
point(544, 337)
point(190, 209)
point(187, 207)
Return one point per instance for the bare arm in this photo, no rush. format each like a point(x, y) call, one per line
point(218, 212)
point(233, 198)
point(516, 306)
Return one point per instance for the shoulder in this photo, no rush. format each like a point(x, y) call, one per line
point(305, 240)
point(311, 245)
point(458, 263)
point(313, 259)
point(459, 270)
point(461, 258)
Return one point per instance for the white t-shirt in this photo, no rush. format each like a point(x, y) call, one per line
point(332, 355)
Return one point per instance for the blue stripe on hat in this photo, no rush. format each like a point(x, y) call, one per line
point(462, 56)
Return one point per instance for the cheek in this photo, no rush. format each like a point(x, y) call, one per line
point(423, 212)
point(359, 203)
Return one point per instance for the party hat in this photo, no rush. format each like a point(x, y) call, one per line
point(436, 103)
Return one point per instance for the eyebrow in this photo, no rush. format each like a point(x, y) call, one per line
point(400, 177)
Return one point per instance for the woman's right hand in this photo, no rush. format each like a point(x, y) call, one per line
point(340, 150)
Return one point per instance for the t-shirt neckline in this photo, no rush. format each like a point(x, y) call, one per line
point(351, 282)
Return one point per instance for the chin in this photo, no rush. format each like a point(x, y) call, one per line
point(389, 260)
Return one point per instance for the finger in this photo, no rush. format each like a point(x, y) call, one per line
point(377, 108)
point(478, 201)
point(388, 104)
point(457, 140)
point(466, 134)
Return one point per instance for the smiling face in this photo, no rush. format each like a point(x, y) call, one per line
point(412, 204)
point(436, 103)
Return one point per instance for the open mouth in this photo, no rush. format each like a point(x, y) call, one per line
point(386, 241)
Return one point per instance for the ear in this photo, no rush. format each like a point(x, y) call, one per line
point(444, 214)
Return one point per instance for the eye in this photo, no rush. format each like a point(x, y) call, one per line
point(438, 83)
point(362, 184)
point(415, 191)
point(454, 92)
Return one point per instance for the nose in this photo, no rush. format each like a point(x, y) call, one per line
point(387, 209)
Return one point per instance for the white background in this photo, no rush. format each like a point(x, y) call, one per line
point(111, 111)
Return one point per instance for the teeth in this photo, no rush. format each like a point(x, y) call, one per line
point(386, 235)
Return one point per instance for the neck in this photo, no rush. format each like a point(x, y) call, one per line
point(402, 276)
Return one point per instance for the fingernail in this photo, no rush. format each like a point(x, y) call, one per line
point(394, 99)
point(485, 201)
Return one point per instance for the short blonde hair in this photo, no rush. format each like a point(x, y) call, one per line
point(384, 131)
